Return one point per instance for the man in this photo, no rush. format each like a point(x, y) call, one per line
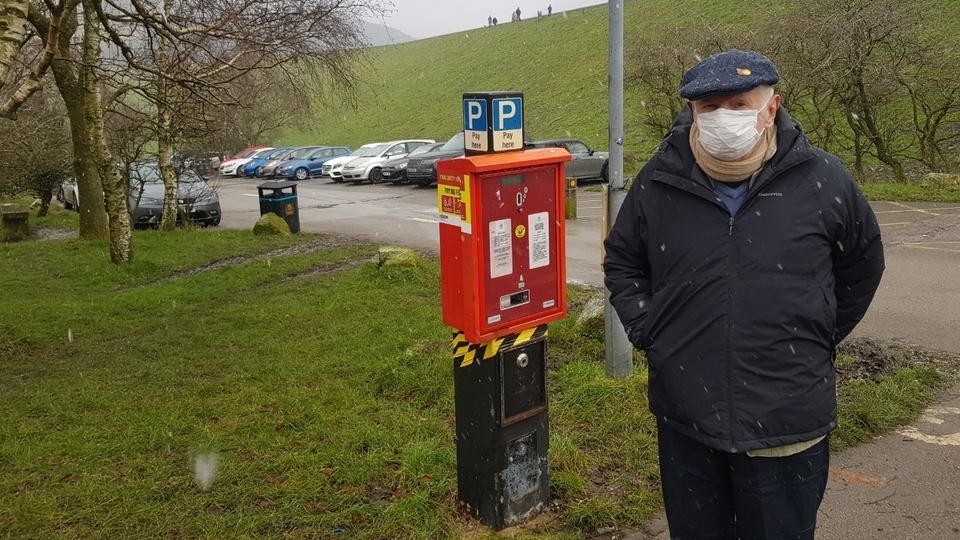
point(740, 258)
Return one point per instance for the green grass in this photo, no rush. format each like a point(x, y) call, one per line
point(890, 191)
point(319, 383)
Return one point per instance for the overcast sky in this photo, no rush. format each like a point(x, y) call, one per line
point(427, 18)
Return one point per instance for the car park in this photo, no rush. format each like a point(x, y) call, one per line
point(422, 170)
point(367, 166)
point(231, 167)
point(250, 168)
point(395, 170)
point(197, 202)
point(333, 168)
point(269, 169)
point(586, 163)
point(312, 164)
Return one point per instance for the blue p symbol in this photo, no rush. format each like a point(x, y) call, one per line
point(474, 115)
point(508, 114)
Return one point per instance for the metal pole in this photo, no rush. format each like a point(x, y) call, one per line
point(619, 351)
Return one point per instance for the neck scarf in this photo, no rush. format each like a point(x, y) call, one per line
point(734, 171)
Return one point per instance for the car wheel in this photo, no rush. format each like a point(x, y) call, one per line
point(376, 176)
point(258, 172)
point(67, 205)
point(605, 174)
point(215, 222)
point(301, 173)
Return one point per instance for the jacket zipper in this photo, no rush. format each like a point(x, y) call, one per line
point(730, 314)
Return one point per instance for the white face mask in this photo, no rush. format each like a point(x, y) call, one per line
point(728, 135)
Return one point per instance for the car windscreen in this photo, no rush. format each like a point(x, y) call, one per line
point(455, 143)
point(422, 149)
point(360, 151)
point(301, 153)
point(151, 175)
point(278, 153)
point(374, 150)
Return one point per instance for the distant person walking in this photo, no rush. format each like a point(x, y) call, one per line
point(494, 21)
point(518, 14)
point(489, 20)
point(549, 10)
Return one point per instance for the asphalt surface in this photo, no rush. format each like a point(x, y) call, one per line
point(901, 486)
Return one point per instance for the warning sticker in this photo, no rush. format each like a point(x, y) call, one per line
point(501, 248)
point(453, 200)
point(539, 239)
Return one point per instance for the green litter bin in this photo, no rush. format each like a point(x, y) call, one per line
point(281, 199)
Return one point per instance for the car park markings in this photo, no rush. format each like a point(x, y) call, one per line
point(931, 248)
point(933, 416)
point(423, 220)
point(908, 208)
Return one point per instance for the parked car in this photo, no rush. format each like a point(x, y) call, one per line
point(312, 164)
point(249, 169)
point(587, 164)
point(422, 170)
point(196, 200)
point(269, 169)
point(68, 194)
point(367, 166)
point(395, 170)
point(333, 168)
point(231, 167)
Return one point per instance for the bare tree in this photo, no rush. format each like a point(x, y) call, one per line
point(35, 151)
point(868, 84)
point(58, 25)
point(114, 190)
point(26, 56)
point(193, 51)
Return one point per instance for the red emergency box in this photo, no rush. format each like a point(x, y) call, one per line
point(502, 244)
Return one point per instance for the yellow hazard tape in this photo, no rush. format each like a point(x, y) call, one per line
point(467, 353)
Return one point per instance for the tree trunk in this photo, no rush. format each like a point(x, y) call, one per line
point(167, 172)
point(121, 237)
point(13, 23)
point(165, 140)
point(93, 217)
point(45, 199)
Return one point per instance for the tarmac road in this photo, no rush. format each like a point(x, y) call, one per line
point(904, 485)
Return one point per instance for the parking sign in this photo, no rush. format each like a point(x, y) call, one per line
point(492, 122)
point(475, 123)
point(507, 123)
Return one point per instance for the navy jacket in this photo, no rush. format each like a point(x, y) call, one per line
point(740, 315)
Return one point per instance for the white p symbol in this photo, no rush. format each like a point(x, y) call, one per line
point(504, 115)
point(474, 112)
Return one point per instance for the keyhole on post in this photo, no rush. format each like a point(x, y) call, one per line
point(522, 360)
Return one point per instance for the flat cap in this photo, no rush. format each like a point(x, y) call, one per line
point(729, 72)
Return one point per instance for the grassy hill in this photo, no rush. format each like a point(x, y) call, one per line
point(414, 89)
point(560, 63)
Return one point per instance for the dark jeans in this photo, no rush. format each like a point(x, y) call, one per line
point(715, 495)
